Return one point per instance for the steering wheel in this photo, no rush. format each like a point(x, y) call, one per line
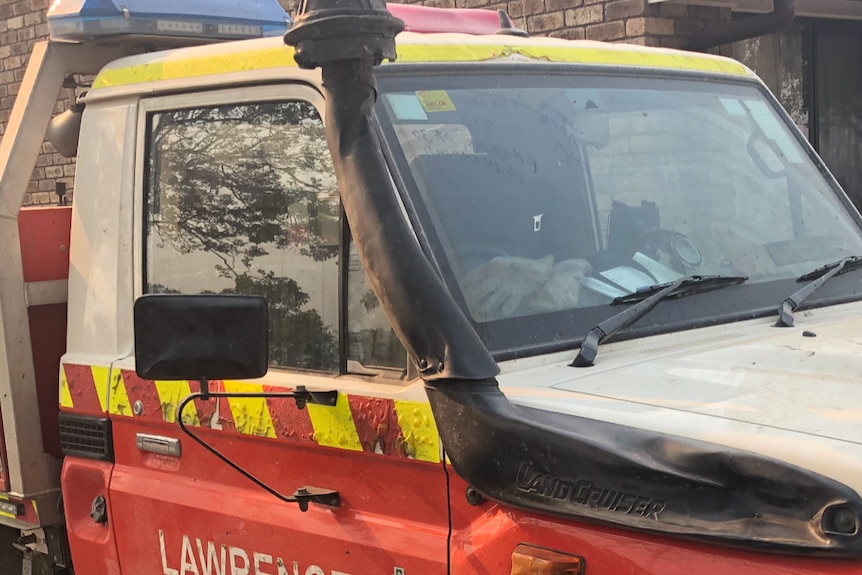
point(684, 252)
point(727, 243)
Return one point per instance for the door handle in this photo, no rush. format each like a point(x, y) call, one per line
point(158, 444)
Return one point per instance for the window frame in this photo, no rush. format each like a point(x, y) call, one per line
point(276, 92)
point(228, 96)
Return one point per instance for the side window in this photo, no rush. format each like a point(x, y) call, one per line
point(242, 199)
point(372, 345)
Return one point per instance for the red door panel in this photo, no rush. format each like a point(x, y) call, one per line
point(194, 514)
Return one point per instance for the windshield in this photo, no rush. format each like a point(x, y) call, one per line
point(547, 196)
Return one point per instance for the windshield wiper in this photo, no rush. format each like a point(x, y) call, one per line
point(647, 299)
point(820, 276)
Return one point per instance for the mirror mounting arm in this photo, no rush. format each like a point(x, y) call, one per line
point(302, 496)
point(205, 391)
point(301, 395)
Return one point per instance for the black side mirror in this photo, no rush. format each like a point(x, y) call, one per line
point(201, 337)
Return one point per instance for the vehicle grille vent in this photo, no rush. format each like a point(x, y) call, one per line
point(86, 436)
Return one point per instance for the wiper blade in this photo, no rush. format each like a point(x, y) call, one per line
point(647, 299)
point(686, 286)
point(820, 276)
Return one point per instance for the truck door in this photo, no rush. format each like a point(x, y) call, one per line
point(237, 194)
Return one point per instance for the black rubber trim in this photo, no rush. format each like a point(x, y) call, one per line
point(584, 469)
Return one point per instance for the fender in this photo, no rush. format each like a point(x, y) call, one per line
point(584, 469)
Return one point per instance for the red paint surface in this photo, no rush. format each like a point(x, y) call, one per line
point(393, 514)
point(82, 388)
point(143, 390)
point(485, 536)
point(288, 420)
point(377, 425)
point(93, 547)
point(44, 234)
point(44, 238)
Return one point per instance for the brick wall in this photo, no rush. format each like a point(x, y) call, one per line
point(670, 25)
point(631, 21)
point(22, 24)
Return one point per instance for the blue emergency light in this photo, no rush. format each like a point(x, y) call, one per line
point(203, 20)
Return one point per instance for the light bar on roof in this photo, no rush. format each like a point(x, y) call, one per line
point(431, 20)
point(204, 20)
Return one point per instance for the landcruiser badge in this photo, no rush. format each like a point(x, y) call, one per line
point(586, 493)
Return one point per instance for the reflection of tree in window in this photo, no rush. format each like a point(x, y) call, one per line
point(242, 199)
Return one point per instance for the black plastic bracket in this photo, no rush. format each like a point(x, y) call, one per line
point(304, 397)
point(306, 495)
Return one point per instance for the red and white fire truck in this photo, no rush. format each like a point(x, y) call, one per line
point(332, 298)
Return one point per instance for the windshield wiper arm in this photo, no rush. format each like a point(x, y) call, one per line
point(820, 276)
point(647, 299)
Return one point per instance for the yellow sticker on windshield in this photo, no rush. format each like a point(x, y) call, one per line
point(436, 101)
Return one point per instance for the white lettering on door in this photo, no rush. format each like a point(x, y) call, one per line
point(165, 569)
point(212, 560)
point(237, 553)
point(210, 564)
point(188, 564)
point(261, 558)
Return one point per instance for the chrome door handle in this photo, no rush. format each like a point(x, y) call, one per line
point(158, 444)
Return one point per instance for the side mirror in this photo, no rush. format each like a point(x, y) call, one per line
point(201, 337)
point(64, 129)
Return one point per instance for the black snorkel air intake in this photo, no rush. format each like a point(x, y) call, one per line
point(347, 39)
point(558, 464)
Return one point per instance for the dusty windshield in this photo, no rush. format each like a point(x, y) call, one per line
point(557, 193)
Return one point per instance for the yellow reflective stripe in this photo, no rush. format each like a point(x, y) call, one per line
point(250, 414)
point(118, 398)
point(100, 379)
point(282, 56)
point(171, 393)
point(334, 426)
point(419, 430)
point(200, 66)
point(65, 393)
point(568, 54)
